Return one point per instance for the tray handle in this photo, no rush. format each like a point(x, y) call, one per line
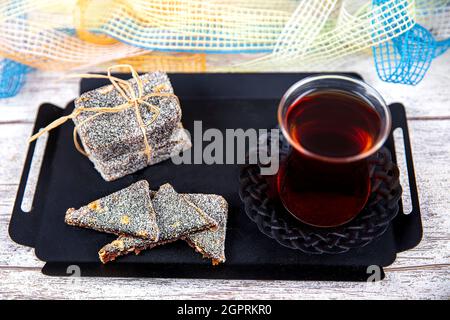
point(23, 224)
point(407, 226)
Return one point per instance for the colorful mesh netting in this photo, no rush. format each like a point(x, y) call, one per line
point(12, 76)
point(270, 35)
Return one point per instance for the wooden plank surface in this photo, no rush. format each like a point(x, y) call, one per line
point(423, 272)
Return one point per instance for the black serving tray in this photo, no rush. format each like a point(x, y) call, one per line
point(68, 179)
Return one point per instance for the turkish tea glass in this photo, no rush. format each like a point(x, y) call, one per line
point(333, 124)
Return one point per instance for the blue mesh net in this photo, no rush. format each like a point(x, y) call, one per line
point(12, 76)
point(406, 58)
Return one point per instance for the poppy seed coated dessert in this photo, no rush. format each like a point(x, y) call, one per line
point(126, 140)
point(177, 216)
point(209, 242)
point(128, 211)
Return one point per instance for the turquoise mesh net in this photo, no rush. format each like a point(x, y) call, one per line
point(12, 77)
point(407, 57)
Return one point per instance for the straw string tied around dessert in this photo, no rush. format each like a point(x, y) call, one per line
point(133, 100)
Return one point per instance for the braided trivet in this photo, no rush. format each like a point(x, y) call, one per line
point(274, 221)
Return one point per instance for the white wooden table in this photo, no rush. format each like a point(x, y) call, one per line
point(423, 272)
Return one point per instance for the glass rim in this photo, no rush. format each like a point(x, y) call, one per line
point(381, 139)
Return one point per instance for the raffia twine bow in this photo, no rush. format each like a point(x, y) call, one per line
point(126, 90)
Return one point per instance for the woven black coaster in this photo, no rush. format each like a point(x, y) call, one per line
point(274, 221)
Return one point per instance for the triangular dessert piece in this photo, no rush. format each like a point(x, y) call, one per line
point(128, 211)
point(210, 243)
point(177, 215)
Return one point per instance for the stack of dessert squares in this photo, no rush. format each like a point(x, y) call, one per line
point(114, 141)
